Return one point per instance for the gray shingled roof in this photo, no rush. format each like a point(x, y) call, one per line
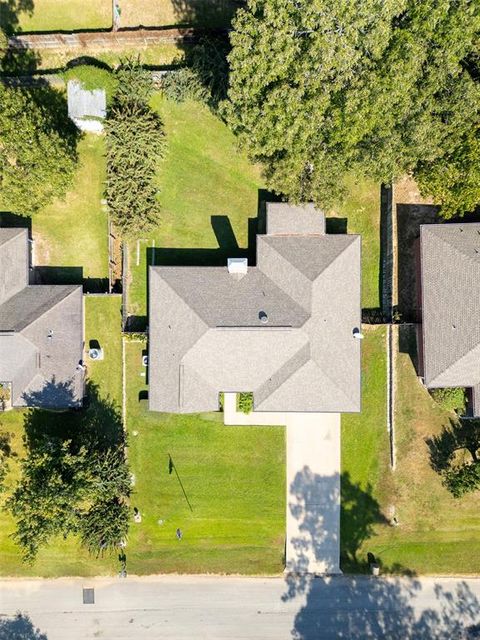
point(206, 335)
point(450, 263)
point(42, 370)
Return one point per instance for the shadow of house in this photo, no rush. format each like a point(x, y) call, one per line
point(409, 219)
point(20, 627)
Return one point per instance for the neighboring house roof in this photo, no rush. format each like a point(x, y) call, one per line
point(450, 276)
point(86, 107)
point(41, 331)
point(207, 335)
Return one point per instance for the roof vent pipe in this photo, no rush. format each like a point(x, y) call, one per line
point(262, 316)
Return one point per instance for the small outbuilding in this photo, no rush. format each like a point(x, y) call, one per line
point(87, 108)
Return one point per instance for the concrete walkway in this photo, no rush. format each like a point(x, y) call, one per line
point(313, 484)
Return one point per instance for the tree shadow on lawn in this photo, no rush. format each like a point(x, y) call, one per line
point(20, 627)
point(97, 426)
point(206, 13)
point(359, 606)
point(459, 436)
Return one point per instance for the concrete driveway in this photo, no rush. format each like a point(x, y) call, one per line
point(313, 484)
point(313, 492)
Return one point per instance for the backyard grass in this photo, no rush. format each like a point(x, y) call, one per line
point(57, 15)
point(209, 191)
point(65, 557)
point(153, 55)
point(361, 209)
point(204, 181)
point(226, 490)
point(72, 232)
point(204, 13)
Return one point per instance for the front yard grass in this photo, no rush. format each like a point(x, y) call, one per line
point(65, 557)
point(436, 533)
point(226, 491)
point(58, 15)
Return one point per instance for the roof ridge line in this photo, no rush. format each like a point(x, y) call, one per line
point(153, 267)
point(353, 237)
point(454, 248)
point(456, 362)
point(54, 305)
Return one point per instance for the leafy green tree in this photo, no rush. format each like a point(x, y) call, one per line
point(320, 89)
point(135, 143)
point(453, 180)
point(37, 148)
point(454, 454)
point(74, 479)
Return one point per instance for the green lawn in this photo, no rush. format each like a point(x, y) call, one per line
point(232, 513)
point(56, 15)
point(205, 13)
point(436, 533)
point(72, 232)
point(154, 55)
point(365, 454)
point(203, 175)
point(64, 557)
point(361, 209)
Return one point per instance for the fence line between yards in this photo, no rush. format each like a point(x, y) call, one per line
point(104, 39)
point(391, 393)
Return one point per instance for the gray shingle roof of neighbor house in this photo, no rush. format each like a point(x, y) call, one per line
point(41, 331)
point(450, 277)
point(207, 335)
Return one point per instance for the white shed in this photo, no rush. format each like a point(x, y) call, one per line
point(86, 108)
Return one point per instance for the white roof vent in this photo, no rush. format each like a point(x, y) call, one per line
point(237, 266)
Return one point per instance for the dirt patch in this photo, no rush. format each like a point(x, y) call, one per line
point(41, 251)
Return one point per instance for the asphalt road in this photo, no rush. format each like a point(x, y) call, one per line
point(189, 607)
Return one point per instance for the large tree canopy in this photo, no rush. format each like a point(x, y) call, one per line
point(319, 89)
point(37, 147)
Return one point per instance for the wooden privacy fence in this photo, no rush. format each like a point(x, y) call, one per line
point(103, 39)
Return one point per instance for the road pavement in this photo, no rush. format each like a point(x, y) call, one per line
point(217, 608)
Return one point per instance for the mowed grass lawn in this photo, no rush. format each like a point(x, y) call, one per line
point(148, 13)
point(361, 209)
point(204, 175)
point(226, 491)
point(437, 533)
point(65, 557)
point(209, 192)
point(73, 231)
point(57, 15)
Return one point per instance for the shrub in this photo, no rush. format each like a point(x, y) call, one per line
point(450, 398)
point(183, 84)
point(221, 399)
point(135, 142)
point(92, 77)
point(245, 402)
point(135, 83)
